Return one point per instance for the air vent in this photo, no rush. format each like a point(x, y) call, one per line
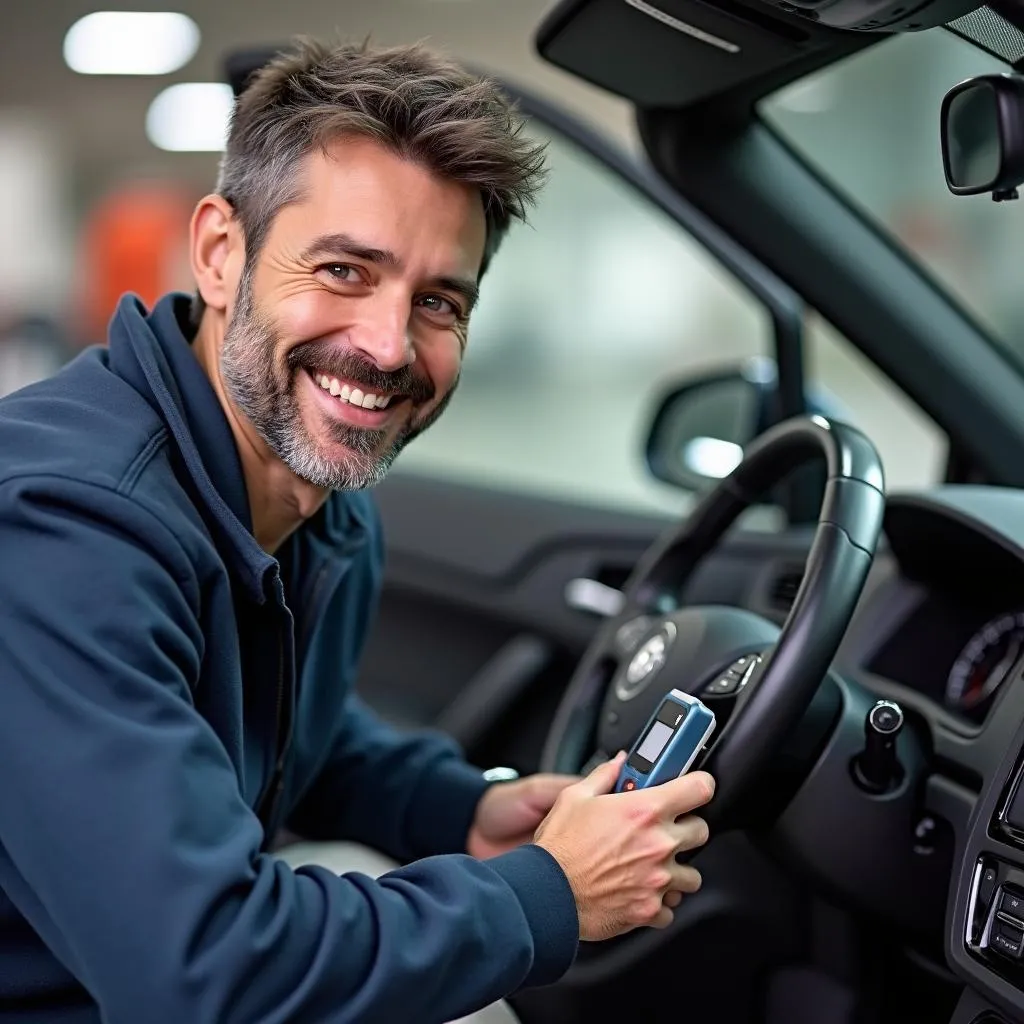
point(784, 587)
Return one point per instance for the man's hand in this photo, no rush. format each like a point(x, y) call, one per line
point(618, 849)
point(509, 812)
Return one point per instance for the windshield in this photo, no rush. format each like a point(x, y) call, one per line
point(871, 125)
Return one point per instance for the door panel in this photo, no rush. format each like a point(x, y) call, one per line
point(474, 633)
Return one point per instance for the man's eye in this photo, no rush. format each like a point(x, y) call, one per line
point(440, 305)
point(344, 272)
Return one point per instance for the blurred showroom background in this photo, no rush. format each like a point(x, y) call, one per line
point(109, 133)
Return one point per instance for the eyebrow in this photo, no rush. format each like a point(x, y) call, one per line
point(337, 245)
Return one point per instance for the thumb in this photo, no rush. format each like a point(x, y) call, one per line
point(603, 777)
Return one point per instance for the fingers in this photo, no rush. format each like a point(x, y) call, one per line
point(602, 779)
point(685, 882)
point(682, 795)
point(689, 883)
point(541, 792)
point(662, 919)
point(689, 833)
point(685, 879)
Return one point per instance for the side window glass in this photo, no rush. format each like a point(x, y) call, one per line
point(587, 315)
point(913, 447)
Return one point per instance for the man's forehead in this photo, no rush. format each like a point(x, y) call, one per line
point(360, 188)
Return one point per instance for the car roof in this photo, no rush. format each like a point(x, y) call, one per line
point(685, 53)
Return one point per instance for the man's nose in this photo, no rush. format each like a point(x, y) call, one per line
point(384, 337)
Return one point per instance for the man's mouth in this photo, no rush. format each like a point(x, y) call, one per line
point(350, 394)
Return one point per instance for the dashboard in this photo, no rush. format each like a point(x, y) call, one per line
point(956, 650)
point(946, 618)
point(941, 628)
point(939, 861)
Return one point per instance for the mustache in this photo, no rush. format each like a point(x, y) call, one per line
point(324, 357)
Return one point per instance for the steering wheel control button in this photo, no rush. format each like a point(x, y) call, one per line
point(724, 685)
point(735, 676)
point(646, 663)
point(877, 768)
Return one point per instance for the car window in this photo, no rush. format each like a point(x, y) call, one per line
point(587, 315)
point(912, 446)
point(870, 125)
point(590, 313)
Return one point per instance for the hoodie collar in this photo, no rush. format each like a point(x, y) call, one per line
point(154, 351)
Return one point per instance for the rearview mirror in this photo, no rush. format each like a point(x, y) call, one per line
point(982, 134)
point(702, 426)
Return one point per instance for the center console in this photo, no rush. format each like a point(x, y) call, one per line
point(986, 925)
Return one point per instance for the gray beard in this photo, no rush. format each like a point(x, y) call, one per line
point(266, 395)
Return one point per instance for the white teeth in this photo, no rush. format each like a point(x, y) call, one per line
point(354, 396)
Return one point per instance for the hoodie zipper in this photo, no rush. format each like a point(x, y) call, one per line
point(271, 798)
point(329, 572)
point(269, 802)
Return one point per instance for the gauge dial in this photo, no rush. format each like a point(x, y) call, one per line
point(985, 662)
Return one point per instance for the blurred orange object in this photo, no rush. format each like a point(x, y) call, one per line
point(134, 240)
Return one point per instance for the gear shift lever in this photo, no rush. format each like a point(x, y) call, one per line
point(877, 768)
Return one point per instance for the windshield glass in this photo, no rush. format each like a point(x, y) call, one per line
point(871, 125)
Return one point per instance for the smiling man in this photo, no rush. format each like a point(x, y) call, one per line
point(356, 343)
point(190, 566)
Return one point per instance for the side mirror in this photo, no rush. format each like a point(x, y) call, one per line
point(982, 134)
point(701, 427)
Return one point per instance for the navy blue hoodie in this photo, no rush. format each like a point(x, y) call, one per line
point(170, 695)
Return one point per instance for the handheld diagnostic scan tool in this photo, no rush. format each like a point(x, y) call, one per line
point(670, 741)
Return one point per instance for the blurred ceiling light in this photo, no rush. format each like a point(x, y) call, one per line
point(191, 117)
point(130, 43)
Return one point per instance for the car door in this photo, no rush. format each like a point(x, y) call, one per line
point(512, 523)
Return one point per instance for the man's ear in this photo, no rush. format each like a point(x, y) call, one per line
point(217, 251)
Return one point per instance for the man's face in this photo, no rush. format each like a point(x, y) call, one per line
point(346, 337)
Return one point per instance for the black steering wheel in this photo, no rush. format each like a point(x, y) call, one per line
point(758, 679)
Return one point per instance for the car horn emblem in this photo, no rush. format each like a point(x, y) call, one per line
point(644, 665)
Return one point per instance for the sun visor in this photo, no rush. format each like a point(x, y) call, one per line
point(673, 53)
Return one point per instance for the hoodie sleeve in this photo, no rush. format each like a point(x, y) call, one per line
point(406, 794)
point(127, 844)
